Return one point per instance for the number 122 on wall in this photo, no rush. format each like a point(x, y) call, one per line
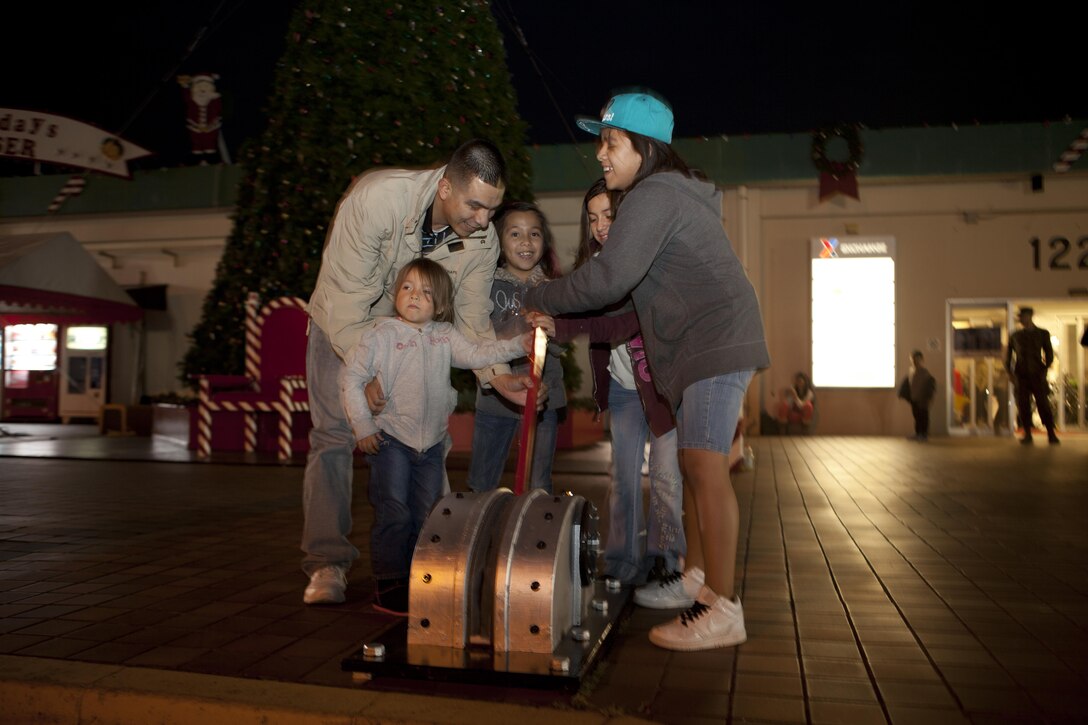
point(1060, 249)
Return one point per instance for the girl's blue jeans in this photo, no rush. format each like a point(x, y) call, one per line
point(404, 486)
point(625, 557)
point(492, 436)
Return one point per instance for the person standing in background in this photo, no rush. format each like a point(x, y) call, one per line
point(918, 389)
point(1027, 359)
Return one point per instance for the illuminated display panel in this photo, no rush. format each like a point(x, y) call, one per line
point(30, 347)
point(87, 338)
point(853, 312)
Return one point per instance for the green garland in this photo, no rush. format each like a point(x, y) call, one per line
point(847, 132)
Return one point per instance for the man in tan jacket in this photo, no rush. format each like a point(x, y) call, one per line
point(386, 218)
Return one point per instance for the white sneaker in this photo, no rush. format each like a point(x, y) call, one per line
point(672, 590)
point(327, 586)
point(694, 578)
point(703, 626)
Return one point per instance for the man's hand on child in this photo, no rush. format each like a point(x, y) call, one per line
point(375, 396)
point(371, 443)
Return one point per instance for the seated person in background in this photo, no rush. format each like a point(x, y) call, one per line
point(797, 403)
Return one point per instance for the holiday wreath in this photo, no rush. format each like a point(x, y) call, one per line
point(849, 134)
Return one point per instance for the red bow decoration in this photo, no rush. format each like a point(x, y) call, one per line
point(837, 177)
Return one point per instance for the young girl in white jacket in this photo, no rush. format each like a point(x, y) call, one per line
point(411, 354)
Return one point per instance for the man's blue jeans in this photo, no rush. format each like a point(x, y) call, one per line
point(404, 486)
point(492, 436)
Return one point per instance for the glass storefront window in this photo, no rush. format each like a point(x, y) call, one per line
point(77, 375)
point(979, 391)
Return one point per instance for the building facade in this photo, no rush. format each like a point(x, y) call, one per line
point(977, 220)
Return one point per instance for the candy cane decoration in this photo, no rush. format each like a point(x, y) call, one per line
point(1072, 152)
point(288, 386)
point(72, 187)
point(204, 420)
point(255, 322)
point(253, 337)
point(283, 407)
point(250, 432)
point(288, 406)
point(207, 406)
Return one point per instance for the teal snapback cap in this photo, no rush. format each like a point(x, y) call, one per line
point(638, 113)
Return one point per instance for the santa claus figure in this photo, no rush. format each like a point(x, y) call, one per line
point(203, 107)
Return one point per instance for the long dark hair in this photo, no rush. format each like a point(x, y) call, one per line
point(657, 157)
point(588, 246)
point(549, 261)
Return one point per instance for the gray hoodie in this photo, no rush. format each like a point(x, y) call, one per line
point(506, 316)
point(414, 365)
point(697, 310)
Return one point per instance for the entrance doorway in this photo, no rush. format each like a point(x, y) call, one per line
point(978, 398)
point(83, 382)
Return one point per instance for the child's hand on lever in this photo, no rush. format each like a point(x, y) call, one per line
point(544, 322)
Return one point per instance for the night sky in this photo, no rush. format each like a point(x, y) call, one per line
point(727, 68)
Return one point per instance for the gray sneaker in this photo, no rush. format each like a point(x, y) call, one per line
point(703, 626)
point(327, 586)
point(671, 590)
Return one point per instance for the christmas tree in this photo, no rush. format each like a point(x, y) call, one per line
point(360, 85)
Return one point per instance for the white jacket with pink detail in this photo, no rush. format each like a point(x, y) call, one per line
point(414, 366)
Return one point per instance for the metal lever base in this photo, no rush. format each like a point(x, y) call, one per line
point(573, 659)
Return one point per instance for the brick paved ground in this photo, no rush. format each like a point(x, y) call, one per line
point(882, 581)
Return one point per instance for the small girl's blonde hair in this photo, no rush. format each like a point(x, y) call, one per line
point(435, 276)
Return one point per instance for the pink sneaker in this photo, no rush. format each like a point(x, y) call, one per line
point(703, 626)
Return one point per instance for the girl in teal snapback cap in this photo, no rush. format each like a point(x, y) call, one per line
point(701, 327)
